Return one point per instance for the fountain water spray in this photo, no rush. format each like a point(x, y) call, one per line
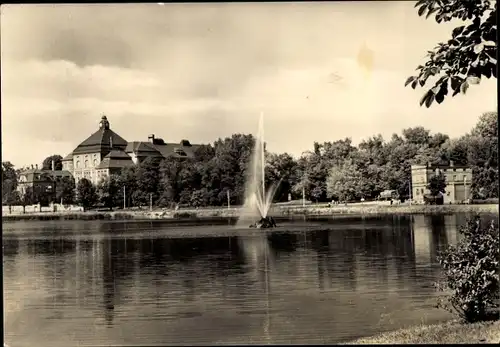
point(257, 200)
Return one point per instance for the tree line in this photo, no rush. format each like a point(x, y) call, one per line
point(332, 170)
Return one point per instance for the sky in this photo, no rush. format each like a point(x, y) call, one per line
point(317, 71)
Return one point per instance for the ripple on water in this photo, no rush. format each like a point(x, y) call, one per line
point(143, 283)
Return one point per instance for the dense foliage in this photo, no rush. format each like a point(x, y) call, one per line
point(470, 53)
point(86, 193)
point(471, 271)
point(47, 162)
point(332, 170)
point(9, 184)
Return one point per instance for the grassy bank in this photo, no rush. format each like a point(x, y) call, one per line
point(450, 332)
point(286, 212)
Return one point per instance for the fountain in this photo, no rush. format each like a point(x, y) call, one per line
point(257, 199)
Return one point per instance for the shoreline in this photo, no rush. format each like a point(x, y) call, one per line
point(451, 332)
point(223, 214)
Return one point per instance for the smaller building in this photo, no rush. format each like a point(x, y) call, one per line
point(458, 182)
point(40, 186)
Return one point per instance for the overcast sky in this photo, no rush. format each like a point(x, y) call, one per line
point(318, 72)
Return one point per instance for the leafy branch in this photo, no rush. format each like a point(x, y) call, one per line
point(466, 57)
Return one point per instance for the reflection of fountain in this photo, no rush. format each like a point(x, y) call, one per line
point(258, 253)
point(257, 200)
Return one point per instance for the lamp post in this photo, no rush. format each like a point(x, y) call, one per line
point(465, 188)
point(409, 192)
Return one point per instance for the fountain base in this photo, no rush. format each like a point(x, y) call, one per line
point(264, 223)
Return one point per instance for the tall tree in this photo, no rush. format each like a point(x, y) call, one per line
point(9, 184)
point(86, 193)
point(147, 179)
point(47, 162)
point(437, 184)
point(468, 55)
point(345, 182)
point(66, 190)
point(108, 191)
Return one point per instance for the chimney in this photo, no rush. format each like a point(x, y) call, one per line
point(452, 163)
point(53, 165)
point(36, 166)
point(151, 138)
point(32, 166)
point(111, 142)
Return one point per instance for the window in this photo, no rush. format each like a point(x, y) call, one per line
point(95, 162)
point(86, 163)
point(77, 164)
point(422, 190)
point(418, 192)
point(464, 178)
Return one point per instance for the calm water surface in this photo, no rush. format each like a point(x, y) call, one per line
point(142, 283)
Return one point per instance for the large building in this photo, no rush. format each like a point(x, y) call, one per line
point(101, 154)
point(105, 152)
point(458, 182)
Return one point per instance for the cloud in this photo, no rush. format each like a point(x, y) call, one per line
point(202, 71)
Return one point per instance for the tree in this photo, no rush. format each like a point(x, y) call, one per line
point(108, 191)
point(65, 190)
point(281, 167)
point(147, 180)
point(47, 162)
point(86, 193)
point(471, 272)
point(26, 197)
point(345, 182)
point(487, 126)
point(9, 184)
point(468, 55)
point(127, 179)
point(437, 184)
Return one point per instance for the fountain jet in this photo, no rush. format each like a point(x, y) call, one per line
point(257, 200)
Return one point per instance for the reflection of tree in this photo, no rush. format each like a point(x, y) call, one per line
point(439, 238)
point(108, 280)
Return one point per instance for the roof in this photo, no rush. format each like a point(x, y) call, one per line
point(109, 163)
point(100, 141)
point(115, 159)
point(166, 150)
point(44, 175)
point(140, 147)
point(68, 157)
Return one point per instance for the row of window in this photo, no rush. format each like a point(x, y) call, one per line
point(85, 163)
point(455, 178)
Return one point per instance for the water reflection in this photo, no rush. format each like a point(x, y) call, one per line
point(280, 287)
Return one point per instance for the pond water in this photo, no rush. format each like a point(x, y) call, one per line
point(70, 283)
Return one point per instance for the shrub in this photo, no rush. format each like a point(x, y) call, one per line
point(471, 272)
point(185, 215)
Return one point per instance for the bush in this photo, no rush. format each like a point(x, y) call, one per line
point(182, 215)
point(471, 272)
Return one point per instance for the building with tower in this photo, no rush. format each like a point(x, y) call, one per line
point(103, 153)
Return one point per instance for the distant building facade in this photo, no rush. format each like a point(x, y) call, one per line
point(40, 186)
point(105, 152)
point(458, 182)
